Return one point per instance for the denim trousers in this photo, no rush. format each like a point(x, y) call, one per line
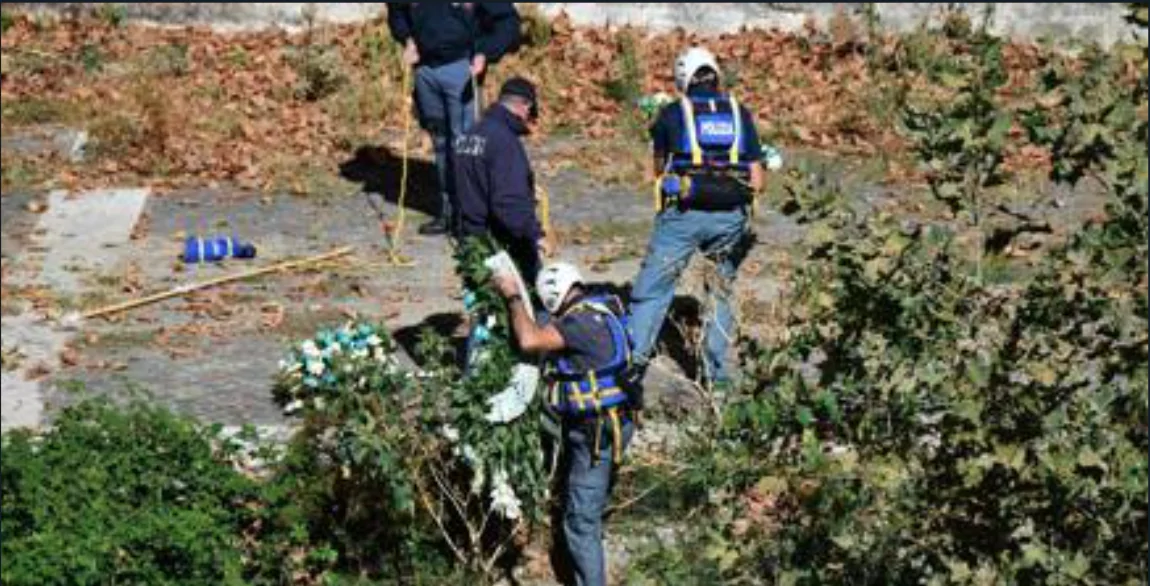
point(676, 237)
point(443, 97)
point(588, 487)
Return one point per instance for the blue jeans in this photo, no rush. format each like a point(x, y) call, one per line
point(444, 97)
point(588, 487)
point(676, 237)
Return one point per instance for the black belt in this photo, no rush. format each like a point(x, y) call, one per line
point(438, 59)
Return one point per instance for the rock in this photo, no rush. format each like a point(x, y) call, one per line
point(69, 144)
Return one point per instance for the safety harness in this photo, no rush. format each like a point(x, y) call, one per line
point(596, 395)
point(711, 148)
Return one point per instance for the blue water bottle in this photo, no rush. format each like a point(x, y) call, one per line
point(215, 249)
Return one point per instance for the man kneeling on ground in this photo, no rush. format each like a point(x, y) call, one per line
point(587, 350)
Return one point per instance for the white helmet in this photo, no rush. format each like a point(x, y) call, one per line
point(691, 61)
point(554, 283)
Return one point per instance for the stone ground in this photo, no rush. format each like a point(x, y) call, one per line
point(213, 353)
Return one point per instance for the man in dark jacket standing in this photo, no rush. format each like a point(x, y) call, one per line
point(450, 45)
point(496, 186)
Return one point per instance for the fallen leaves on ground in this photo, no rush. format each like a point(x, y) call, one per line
point(174, 106)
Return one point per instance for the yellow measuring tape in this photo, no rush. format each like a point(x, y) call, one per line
point(543, 209)
point(396, 235)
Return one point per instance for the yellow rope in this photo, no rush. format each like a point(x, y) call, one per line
point(657, 191)
point(394, 257)
point(543, 208)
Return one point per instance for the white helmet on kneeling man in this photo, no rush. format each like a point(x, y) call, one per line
point(554, 283)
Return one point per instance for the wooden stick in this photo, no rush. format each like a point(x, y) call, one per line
point(184, 289)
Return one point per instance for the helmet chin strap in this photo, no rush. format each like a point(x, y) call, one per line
point(569, 300)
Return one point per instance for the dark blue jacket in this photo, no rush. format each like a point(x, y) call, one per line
point(494, 182)
point(667, 131)
point(445, 32)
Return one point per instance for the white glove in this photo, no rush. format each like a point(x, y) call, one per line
point(501, 264)
point(513, 401)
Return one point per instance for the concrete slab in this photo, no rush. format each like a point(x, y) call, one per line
point(39, 344)
point(68, 143)
point(81, 232)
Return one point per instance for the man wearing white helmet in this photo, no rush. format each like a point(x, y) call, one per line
point(706, 166)
point(587, 350)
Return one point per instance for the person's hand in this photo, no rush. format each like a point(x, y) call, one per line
point(546, 246)
point(506, 285)
point(410, 53)
point(478, 64)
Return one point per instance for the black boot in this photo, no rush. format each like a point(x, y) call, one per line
point(631, 381)
point(436, 227)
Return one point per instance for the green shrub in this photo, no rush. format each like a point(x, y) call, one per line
point(403, 470)
point(91, 58)
point(7, 20)
point(318, 66)
point(919, 426)
point(112, 14)
point(319, 71)
point(137, 495)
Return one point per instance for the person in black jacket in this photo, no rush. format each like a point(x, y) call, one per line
point(450, 45)
point(496, 186)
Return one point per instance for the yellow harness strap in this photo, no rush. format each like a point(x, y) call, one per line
point(597, 443)
point(738, 130)
point(574, 386)
point(616, 436)
point(692, 137)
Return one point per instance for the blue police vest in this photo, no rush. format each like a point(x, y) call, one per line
point(709, 168)
point(579, 393)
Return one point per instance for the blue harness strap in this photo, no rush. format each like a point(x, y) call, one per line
point(585, 393)
point(711, 150)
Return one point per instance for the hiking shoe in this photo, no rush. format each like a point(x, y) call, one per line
point(436, 227)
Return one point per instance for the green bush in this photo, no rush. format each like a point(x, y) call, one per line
point(134, 495)
point(403, 472)
point(919, 426)
point(7, 20)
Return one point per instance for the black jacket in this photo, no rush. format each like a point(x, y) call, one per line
point(494, 182)
point(445, 32)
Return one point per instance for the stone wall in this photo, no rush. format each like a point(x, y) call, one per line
point(1091, 21)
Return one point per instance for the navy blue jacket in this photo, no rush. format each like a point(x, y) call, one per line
point(494, 182)
point(445, 32)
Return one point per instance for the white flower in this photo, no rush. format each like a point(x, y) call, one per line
point(319, 403)
point(334, 348)
point(450, 432)
point(478, 480)
point(315, 367)
point(292, 407)
point(503, 499)
point(359, 353)
point(471, 457)
point(290, 367)
point(374, 340)
point(309, 349)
